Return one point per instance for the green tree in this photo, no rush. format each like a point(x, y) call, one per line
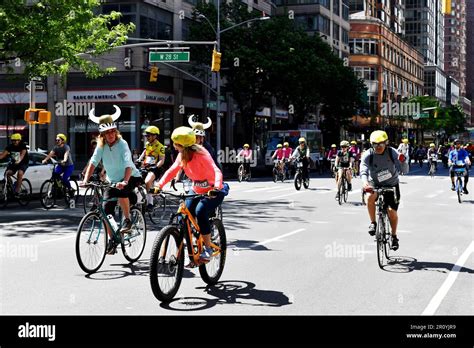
point(49, 36)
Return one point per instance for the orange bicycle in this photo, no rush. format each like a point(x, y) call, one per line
point(167, 254)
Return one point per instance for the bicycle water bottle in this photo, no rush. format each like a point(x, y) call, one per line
point(112, 222)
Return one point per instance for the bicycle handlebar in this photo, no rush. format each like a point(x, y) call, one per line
point(379, 189)
point(178, 195)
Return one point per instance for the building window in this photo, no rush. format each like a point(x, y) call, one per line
point(335, 7)
point(363, 46)
point(335, 31)
point(345, 37)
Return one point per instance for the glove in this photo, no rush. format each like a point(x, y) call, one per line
point(212, 193)
point(154, 190)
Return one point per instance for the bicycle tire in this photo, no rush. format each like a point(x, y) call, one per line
point(25, 192)
point(306, 183)
point(92, 240)
point(67, 197)
point(282, 175)
point(240, 173)
point(174, 266)
point(275, 175)
point(459, 189)
point(340, 191)
point(297, 181)
point(388, 241)
point(379, 236)
point(90, 200)
point(346, 191)
point(48, 194)
point(159, 212)
point(3, 194)
point(218, 238)
point(133, 244)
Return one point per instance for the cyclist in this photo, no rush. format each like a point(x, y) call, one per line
point(152, 158)
point(246, 155)
point(344, 159)
point(332, 157)
point(200, 131)
point(302, 152)
point(355, 150)
point(404, 156)
point(280, 156)
point(432, 156)
point(420, 155)
point(99, 172)
point(379, 168)
point(198, 165)
point(287, 151)
point(116, 158)
point(18, 152)
point(62, 152)
point(459, 157)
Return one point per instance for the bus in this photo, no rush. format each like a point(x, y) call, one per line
point(314, 139)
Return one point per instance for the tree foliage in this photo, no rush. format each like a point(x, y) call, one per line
point(49, 36)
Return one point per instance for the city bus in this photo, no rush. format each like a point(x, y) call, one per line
point(314, 139)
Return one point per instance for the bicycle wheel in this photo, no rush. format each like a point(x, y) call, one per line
point(275, 175)
point(24, 196)
point(387, 239)
point(282, 175)
point(240, 173)
point(306, 183)
point(166, 264)
point(219, 214)
point(3, 193)
point(298, 181)
point(346, 191)
point(459, 189)
point(68, 197)
point(212, 271)
point(48, 194)
point(91, 242)
point(379, 235)
point(91, 200)
point(133, 243)
point(161, 212)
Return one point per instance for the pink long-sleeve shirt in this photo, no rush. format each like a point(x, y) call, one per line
point(201, 170)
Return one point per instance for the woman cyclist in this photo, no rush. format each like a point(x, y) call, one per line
point(199, 166)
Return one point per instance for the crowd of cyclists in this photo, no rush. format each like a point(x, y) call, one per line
point(376, 163)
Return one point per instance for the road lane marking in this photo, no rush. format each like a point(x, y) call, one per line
point(453, 274)
point(288, 194)
point(257, 189)
point(55, 239)
point(434, 194)
point(22, 222)
point(282, 236)
point(319, 222)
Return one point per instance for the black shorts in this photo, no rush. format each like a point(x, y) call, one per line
point(390, 200)
point(158, 172)
point(16, 167)
point(126, 192)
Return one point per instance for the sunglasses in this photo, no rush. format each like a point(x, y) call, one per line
point(149, 134)
point(112, 131)
point(15, 140)
point(378, 144)
point(58, 139)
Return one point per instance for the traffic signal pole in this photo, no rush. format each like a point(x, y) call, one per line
point(218, 87)
point(32, 126)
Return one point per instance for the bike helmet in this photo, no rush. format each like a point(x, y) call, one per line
point(15, 136)
point(405, 141)
point(279, 146)
point(198, 127)
point(333, 145)
point(152, 130)
point(61, 136)
point(246, 145)
point(378, 136)
point(183, 136)
point(344, 143)
point(432, 145)
point(286, 143)
point(302, 140)
point(106, 122)
point(457, 141)
point(353, 142)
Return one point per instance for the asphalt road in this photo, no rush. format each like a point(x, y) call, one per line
point(289, 252)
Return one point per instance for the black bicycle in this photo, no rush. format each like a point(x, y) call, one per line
point(8, 189)
point(298, 181)
point(279, 172)
point(343, 189)
point(242, 174)
point(460, 172)
point(54, 189)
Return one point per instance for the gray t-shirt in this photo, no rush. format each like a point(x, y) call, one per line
point(60, 151)
point(383, 171)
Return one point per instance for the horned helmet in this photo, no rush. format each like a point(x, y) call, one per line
point(198, 127)
point(106, 122)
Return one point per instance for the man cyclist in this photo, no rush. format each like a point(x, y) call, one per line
point(344, 161)
point(432, 155)
point(404, 156)
point(332, 157)
point(302, 152)
point(246, 155)
point(116, 158)
point(459, 157)
point(355, 150)
point(18, 152)
point(379, 168)
point(152, 159)
point(62, 152)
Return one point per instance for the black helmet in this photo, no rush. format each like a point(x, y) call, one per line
point(457, 141)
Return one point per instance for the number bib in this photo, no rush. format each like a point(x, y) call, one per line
point(384, 175)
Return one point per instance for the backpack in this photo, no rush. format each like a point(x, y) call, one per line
point(371, 156)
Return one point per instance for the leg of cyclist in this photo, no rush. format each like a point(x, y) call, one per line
point(466, 180)
point(305, 168)
point(349, 179)
point(451, 174)
point(392, 201)
point(149, 180)
point(371, 199)
point(19, 180)
point(339, 180)
point(66, 175)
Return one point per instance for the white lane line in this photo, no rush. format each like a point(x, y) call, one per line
point(350, 212)
point(55, 239)
point(438, 192)
point(257, 189)
point(288, 194)
point(404, 231)
point(280, 237)
point(453, 274)
point(319, 222)
point(23, 222)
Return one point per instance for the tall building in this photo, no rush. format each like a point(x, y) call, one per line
point(327, 18)
point(455, 43)
point(470, 54)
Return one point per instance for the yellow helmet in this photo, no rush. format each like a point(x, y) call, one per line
point(333, 145)
point(344, 143)
point(353, 142)
point(279, 146)
point(246, 145)
point(432, 145)
point(184, 136)
point(302, 140)
point(378, 136)
point(15, 136)
point(61, 136)
point(286, 143)
point(152, 130)
point(405, 141)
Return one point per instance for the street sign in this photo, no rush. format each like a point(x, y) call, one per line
point(212, 105)
point(423, 115)
point(38, 86)
point(155, 57)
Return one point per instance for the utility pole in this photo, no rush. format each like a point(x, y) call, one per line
point(32, 129)
point(218, 75)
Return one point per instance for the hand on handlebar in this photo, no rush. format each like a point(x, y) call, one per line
point(213, 193)
point(154, 190)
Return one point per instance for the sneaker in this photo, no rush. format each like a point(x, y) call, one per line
point(453, 187)
point(394, 243)
point(149, 208)
point(111, 248)
point(71, 192)
point(206, 254)
point(466, 192)
point(127, 226)
point(372, 227)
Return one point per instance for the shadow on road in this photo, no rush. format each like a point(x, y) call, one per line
point(406, 264)
point(229, 292)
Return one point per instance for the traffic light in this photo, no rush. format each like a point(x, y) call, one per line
point(436, 113)
point(154, 74)
point(216, 61)
point(37, 116)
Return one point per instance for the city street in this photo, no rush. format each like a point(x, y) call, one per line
point(289, 252)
